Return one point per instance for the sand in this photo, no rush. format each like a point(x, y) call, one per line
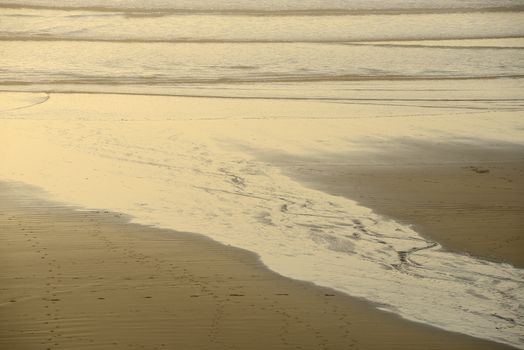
point(74, 279)
point(468, 197)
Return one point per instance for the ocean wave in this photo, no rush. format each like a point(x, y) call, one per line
point(155, 12)
point(131, 80)
point(378, 42)
point(117, 27)
point(269, 8)
point(168, 65)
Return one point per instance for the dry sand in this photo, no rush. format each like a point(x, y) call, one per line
point(468, 197)
point(76, 279)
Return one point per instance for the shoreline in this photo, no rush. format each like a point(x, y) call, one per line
point(468, 198)
point(188, 174)
point(245, 177)
point(92, 278)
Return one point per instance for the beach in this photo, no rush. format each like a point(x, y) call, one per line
point(81, 162)
point(276, 174)
point(75, 278)
point(469, 198)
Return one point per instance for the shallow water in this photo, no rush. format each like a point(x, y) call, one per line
point(177, 49)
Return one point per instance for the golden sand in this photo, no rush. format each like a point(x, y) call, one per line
point(76, 279)
point(470, 199)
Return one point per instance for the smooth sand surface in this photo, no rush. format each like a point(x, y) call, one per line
point(75, 279)
point(469, 198)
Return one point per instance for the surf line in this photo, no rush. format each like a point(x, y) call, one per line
point(44, 100)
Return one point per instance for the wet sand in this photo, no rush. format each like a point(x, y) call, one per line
point(75, 279)
point(468, 197)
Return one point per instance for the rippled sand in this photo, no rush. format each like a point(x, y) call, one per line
point(75, 279)
point(469, 198)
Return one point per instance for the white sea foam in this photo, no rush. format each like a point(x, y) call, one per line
point(176, 163)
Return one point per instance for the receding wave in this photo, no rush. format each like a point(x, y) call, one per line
point(378, 42)
point(27, 24)
point(270, 79)
point(157, 64)
point(154, 12)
